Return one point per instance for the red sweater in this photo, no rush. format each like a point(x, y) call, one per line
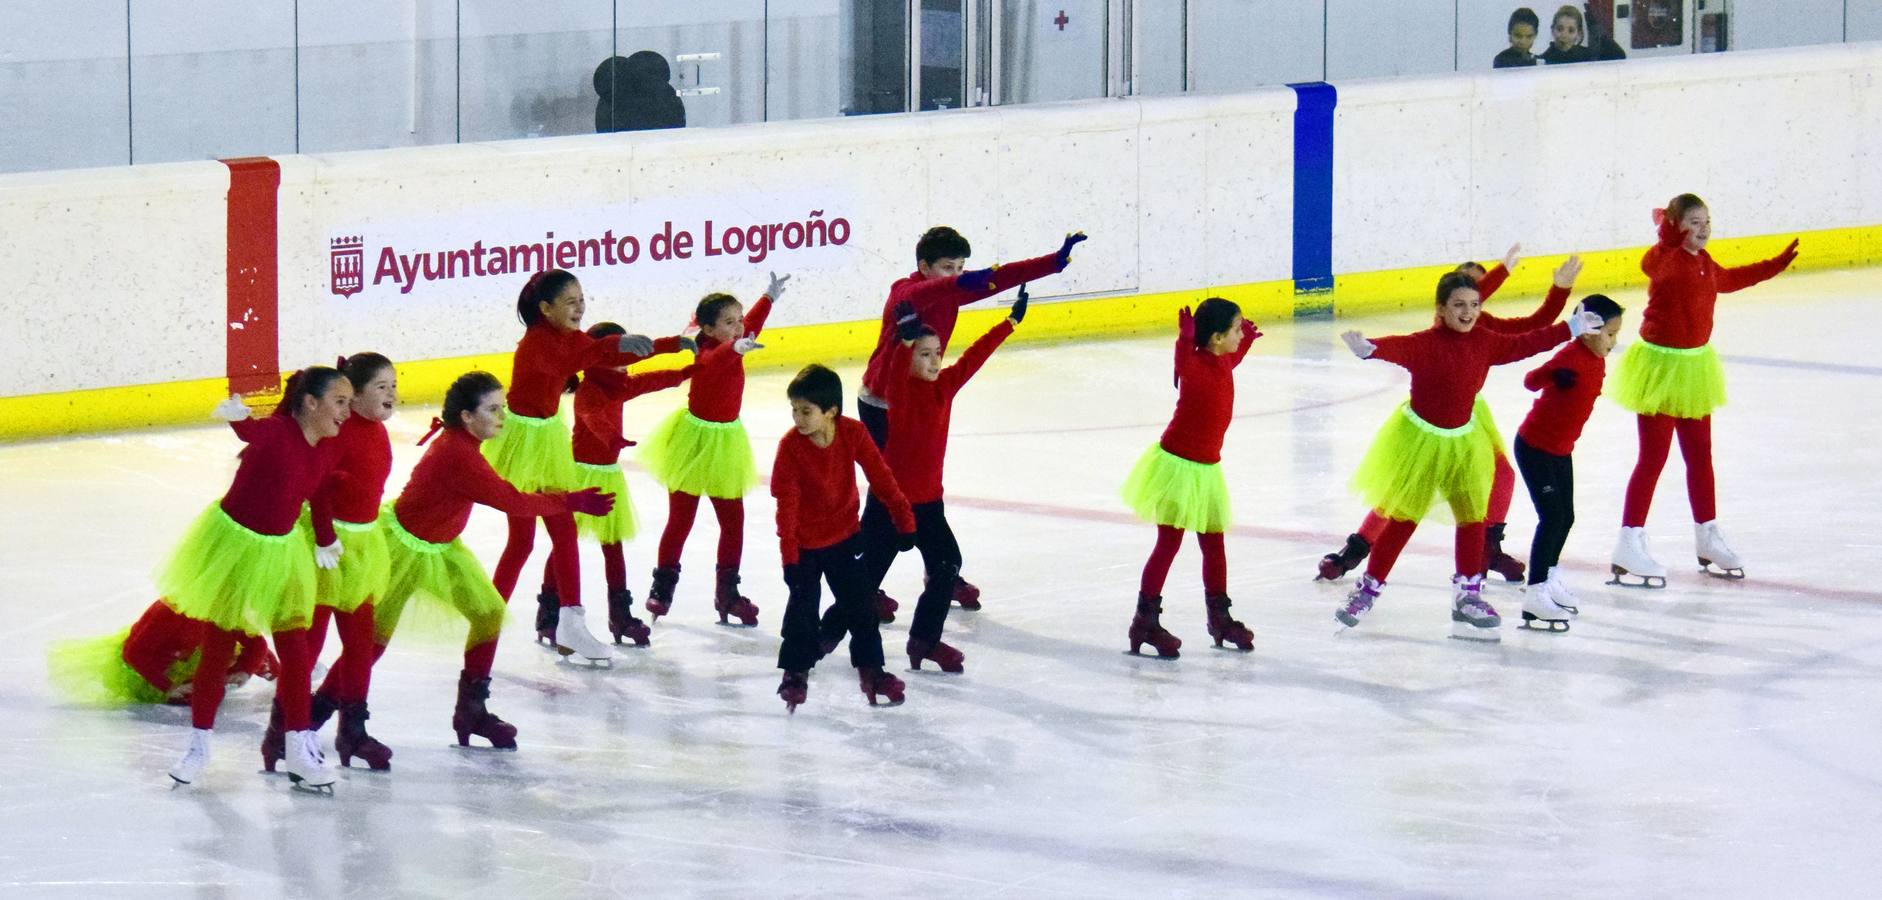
point(718, 386)
point(1205, 398)
point(362, 462)
point(816, 488)
point(1554, 423)
point(449, 479)
point(1448, 367)
point(278, 473)
point(1683, 287)
point(938, 302)
point(919, 413)
point(1546, 314)
point(598, 438)
point(547, 357)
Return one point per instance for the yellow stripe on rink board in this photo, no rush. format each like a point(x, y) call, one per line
point(791, 347)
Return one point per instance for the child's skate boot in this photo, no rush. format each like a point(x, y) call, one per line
point(727, 602)
point(1224, 628)
point(660, 594)
point(1715, 558)
point(1633, 565)
point(1359, 601)
point(622, 623)
point(548, 612)
point(951, 661)
point(1471, 618)
point(1334, 566)
point(472, 717)
point(794, 689)
point(1503, 564)
point(1147, 628)
point(880, 687)
point(1541, 612)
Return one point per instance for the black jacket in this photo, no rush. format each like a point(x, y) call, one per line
point(635, 94)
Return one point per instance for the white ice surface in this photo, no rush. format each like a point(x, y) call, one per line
point(1712, 739)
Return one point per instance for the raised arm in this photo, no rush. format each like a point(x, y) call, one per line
point(1250, 334)
point(1554, 303)
point(1671, 239)
point(1737, 278)
point(956, 375)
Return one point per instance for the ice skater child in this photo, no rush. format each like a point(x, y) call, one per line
point(1671, 379)
point(702, 450)
point(534, 453)
point(921, 403)
point(1569, 383)
point(1177, 484)
point(1335, 565)
point(819, 539)
point(347, 585)
point(244, 568)
point(429, 561)
point(153, 661)
point(1435, 447)
point(940, 285)
point(599, 396)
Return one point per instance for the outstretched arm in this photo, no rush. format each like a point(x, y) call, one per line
point(1738, 278)
point(1554, 303)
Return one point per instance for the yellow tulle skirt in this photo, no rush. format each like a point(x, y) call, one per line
point(239, 580)
point(1166, 489)
point(365, 566)
point(1688, 383)
point(533, 454)
point(434, 588)
point(1412, 464)
point(693, 456)
point(619, 525)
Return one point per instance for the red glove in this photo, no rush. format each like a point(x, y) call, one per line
point(589, 502)
point(1185, 342)
point(1670, 232)
point(1250, 332)
point(1789, 256)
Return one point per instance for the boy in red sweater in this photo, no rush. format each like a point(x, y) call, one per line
point(922, 394)
point(1570, 381)
point(814, 482)
point(938, 288)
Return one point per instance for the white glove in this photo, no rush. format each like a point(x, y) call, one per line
point(636, 345)
point(328, 556)
point(1512, 256)
point(746, 345)
point(777, 286)
point(230, 410)
point(1357, 343)
point(1583, 322)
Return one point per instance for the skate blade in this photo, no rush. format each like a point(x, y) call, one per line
point(473, 748)
point(1707, 567)
point(302, 785)
point(1649, 582)
point(1160, 658)
point(737, 625)
point(579, 661)
point(1231, 647)
point(1464, 631)
point(1533, 622)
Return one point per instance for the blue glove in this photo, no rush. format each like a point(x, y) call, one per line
point(976, 280)
point(1065, 249)
point(1565, 379)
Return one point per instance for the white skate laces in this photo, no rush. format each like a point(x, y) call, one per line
point(304, 764)
point(1542, 610)
point(1561, 593)
point(573, 638)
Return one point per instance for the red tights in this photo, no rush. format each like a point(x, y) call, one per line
point(1215, 562)
point(682, 507)
point(563, 571)
point(1393, 533)
point(291, 687)
point(1695, 447)
point(1502, 487)
point(351, 676)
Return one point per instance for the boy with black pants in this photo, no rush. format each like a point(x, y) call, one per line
point(940, 285)
point(814, 482)
point(1570, 381)
point(921, 397)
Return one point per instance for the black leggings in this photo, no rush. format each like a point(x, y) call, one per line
point(940, 555)
point(1551, 483)
point(876, 420)
point(855, 612)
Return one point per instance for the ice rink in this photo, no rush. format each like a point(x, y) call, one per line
point(1712, 739)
